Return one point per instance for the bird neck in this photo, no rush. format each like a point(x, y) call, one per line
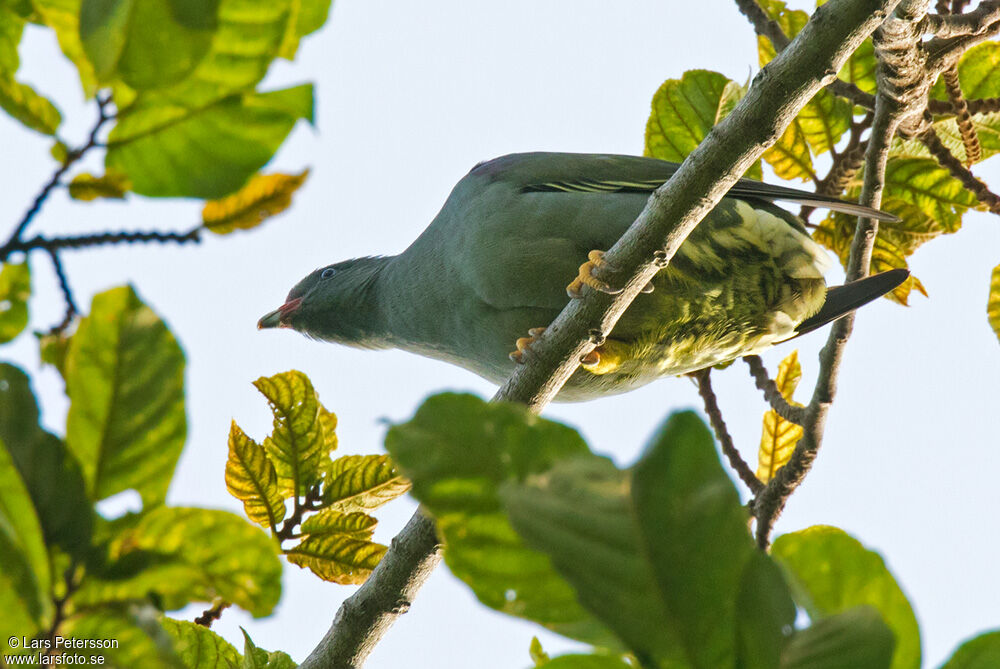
point(361, 321)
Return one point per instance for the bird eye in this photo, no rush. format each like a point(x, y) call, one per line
point(327, 273)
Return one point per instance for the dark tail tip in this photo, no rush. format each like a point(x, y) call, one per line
point(842, 300)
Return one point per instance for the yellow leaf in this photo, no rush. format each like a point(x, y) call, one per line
point(264, 196)
point(297, 444)
point(337, 558)
point(778, 439)
point(87, 187)
point(361, 482)
point(993, 304)
point(251, 478)
point(357, 525)
point(23, 103)
point(15, 289)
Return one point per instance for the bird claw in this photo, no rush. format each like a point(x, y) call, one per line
point(585, 277)
point(523, 345)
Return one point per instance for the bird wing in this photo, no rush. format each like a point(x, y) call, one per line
point(608, 173)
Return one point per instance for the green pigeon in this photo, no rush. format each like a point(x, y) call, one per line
point(494, 263)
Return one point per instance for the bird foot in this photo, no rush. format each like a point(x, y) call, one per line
point(604, 359)
point(595, 260)
point(523, 345)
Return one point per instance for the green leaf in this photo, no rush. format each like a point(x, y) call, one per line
point(791, 22)
point(538, 654)
point(257, 658)
point(24, 565)
point(978, 73)
point(980, 652)
point(765, 614)
point(993, 301)
point(588, 662)
point(307, 16)
point(87, 187)
point(15, 289)
point(336, 557)
point(816, 129)
point(266, 195)
point(356, 525)
point(31, 109)
point(296, 445)
point(987, 127)
point(694, 531)
point(832, 572)
point(579, 514)
point(779, 436)
point(362, 482)
point(180, 555)
point(860, 68)
point(858, 638)
point(125, 381)
point(199, 647)
point(49, 471)
point(146, 43)
point(169, 150)
point(789, 156)
point(123, 637)
point(836, 232)
point(685, 110)
point(248, 39)
point(459, 486)
point(251, 478)
point(11, 29)
point(929, 201)
point(63, 16)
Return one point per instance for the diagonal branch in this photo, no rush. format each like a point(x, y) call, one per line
point(763, 381)
point(103, 116)
point(703, 378)
point(778, 92)
point(946, 158)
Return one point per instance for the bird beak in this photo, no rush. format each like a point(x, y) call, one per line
point(280, 317)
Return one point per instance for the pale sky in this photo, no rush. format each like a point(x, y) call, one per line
point(409, 97)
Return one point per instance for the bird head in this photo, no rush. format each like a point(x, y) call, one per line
point(333, 303)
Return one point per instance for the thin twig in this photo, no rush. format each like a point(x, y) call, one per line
point(970, 139)
point(763, 24)
point(67, 293)
point(846, 163)
point(772, 394)
point(703, 379)
point(947, 25)
point(287, 530)
point(947, 159)
point(99, 239)
point(71, 157)
point(210, 615)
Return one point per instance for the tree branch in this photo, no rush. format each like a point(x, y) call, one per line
point(67, 292)
point(763, 381)
point(704, 380)
point(51, 244)
point(777, 93)
point(946, 158)
point(976, 22)
point(72, 157)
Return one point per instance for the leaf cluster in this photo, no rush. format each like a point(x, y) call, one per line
point(329, 497)
point(653, 564)
point(66, 569)
point(928, 197)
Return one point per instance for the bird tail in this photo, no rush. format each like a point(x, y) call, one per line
point(842, 300)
